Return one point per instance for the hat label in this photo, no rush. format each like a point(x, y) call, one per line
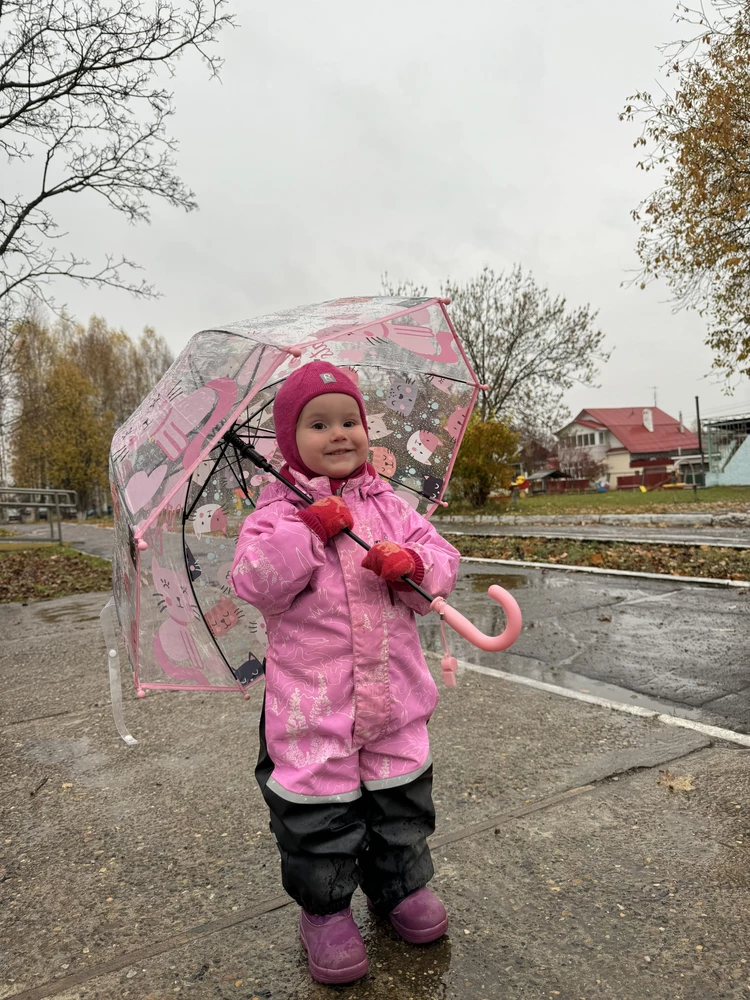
point(327, 377)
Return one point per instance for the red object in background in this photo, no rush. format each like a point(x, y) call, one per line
point(648, 480)
point(567, 485)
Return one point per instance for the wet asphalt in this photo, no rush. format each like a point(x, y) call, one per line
point(581, 853)
point(679, 648)
point(674, 647)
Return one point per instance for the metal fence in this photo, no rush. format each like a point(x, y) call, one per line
point(27, 500)
point(723, 437)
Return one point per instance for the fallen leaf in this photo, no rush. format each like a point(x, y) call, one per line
point(605, 618)
point(676, 783)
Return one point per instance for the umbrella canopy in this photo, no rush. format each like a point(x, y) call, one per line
point(181, 489)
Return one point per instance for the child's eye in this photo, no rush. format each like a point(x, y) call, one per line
point(350, 423)
point(318, 426)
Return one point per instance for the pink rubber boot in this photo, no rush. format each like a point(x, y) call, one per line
point(334, 946)
point(420, 918)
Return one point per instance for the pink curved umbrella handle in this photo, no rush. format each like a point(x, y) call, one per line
point(490, 643)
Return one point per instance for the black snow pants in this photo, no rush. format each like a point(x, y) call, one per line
point(378, 841)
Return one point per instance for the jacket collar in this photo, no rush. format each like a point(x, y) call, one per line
point(366, 484)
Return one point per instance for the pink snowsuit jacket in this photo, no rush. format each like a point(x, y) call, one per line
point(348, 692)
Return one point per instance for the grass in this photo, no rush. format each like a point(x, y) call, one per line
point(683, 560)
point(105, 521)
point(713, 499)
point(44, 572)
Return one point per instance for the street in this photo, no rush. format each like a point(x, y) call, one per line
point(571, 863)
point(680, 648)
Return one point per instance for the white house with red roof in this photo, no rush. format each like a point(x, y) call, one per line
point(638, 445)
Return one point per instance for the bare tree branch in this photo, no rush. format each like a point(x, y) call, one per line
point(527, 347)
point(84, 108)
point(80, 93)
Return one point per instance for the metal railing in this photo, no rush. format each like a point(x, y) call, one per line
point(20, 498)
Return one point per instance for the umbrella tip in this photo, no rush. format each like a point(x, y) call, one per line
point(445, 302)
point(296, 352)
point(484, 388)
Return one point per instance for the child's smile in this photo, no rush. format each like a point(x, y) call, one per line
point(331, 438)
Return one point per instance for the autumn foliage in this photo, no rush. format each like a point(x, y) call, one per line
point(485, 460)
point(72, 386)
point(695, 227)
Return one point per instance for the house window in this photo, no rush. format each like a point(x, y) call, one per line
point(583, 440)
point(601, 437)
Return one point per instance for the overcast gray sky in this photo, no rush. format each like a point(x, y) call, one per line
point(424, 138)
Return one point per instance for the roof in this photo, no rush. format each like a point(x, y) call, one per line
point(626, 423)
point(548, 474)
point(588, 423)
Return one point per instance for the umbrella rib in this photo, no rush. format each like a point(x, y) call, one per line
point(412, 489)
point(197, 602)
point(186, 513)
point(240, 480)
point(257, 459)
point(392, 368)
point(254, 415)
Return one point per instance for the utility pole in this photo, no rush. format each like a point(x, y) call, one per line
point(700, 444)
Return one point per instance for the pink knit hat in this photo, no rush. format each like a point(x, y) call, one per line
point(309, 381)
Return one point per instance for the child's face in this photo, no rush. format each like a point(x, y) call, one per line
point(331, 439)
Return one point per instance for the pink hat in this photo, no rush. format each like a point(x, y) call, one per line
point(309, 381)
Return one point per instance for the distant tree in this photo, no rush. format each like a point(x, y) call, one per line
point(77, 434)
point(72, 386)
point(534, 455)
point(526, 346)
point(695, 226)
point(123, 371)
point(580, 463)
point(485, 460)
point(35, 353)
point(84, 110)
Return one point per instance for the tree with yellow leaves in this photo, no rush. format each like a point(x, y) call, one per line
point(77, 433)
point(485, 460)
point(695, 227)
point(72, 386)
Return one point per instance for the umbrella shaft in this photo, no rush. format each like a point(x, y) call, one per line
point(247, 451)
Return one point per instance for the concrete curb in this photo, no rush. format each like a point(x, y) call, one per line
point(658, 520)
point(705, 581)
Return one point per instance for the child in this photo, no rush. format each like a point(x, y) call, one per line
point(344, 763)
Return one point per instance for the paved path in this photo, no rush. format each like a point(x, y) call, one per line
point(580, 852)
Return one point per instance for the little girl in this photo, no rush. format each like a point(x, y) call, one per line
point(344, 763)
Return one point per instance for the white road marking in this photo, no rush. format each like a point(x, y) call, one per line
point(714, 732)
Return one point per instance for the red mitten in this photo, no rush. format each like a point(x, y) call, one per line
point(390, 562)
point(327, 517)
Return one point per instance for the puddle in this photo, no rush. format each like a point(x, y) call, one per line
point(67, 613)
point(481, 582)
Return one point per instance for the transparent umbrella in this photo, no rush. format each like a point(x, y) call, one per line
point(187, 467)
